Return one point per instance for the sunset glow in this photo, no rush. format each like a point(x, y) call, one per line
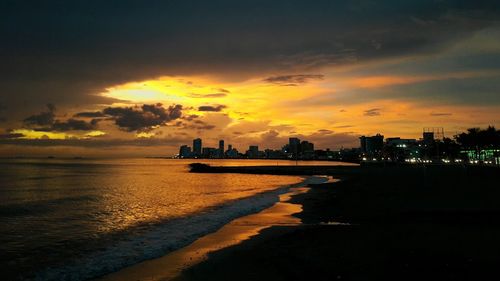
point(329, 89)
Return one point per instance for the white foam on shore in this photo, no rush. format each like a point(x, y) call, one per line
point(167, 237)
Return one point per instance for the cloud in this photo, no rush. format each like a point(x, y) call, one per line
point(200, 125)
point(2, 108)
point(95, 142)
point(214, 108)
point(46, 118)
point(92, 55)
point(323, 138)
point(372, 112)
point(343, 126)
point(46, 121)
point(325, 131)
point(293, 80)
point(214, 95)
point(144, 118)
point(223, 90)
point(11, 136)
point(73, 125)
point(440, 114)
point(190, 117)
point(90, 114)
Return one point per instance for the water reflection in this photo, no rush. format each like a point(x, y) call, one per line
point(52, 210)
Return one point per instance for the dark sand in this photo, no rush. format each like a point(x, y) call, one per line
point(404, 223)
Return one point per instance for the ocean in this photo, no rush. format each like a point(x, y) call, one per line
point(75, 219)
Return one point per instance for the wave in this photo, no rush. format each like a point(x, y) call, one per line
point(165, 238)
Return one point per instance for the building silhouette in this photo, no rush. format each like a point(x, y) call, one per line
point(197, 147)
point(184, 151)
point(221, 149)
point(294, 147)
point(253, 151)
point(372, 146)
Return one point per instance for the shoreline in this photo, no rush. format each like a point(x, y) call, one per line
point(403, 223)
point(237, 230)
point(377, 223)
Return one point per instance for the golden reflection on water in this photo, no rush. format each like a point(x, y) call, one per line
point(157, 190)
point(241, 229)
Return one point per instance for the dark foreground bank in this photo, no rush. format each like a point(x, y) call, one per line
point(403, 223)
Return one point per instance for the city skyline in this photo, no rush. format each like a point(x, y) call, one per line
point(474, 146)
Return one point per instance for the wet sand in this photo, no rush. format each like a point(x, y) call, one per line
point(378, 223)
point(241, 229)
point(405, 223)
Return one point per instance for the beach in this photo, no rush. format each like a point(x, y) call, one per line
point(384, 223)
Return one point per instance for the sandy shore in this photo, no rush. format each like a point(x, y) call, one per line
point(238, 230)
point(378, 223)
point(405, 223)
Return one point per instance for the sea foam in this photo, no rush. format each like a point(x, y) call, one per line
point(166, 237)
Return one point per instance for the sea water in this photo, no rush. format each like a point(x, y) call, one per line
point(74, 219)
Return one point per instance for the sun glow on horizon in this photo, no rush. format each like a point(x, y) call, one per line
point(305, 107)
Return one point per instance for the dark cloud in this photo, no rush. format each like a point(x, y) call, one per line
point(42, 119)
point(143, 118)
point(482, 91)
point(2, 108)
point(73, 125)
point(440, 114)
point(55, 48)
point(215, 108)
point(293, 80)
point(90, 114)
point(11, 136)
point(372, 112)
point(46, 121)
point(95, 142)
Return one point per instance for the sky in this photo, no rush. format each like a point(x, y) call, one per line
point(141, 78)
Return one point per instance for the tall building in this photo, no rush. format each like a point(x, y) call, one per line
point(221, 148)
point(294, 146)
point(428, 137)
point(306, 146)
point(184, 151)
point(372, 145)
point(210, 152)
point(253, 151)
point(197, 145)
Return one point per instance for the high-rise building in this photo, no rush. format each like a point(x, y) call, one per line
point(306, 146)
point(294, 146)
point(428, 137)
point(253, 151)
point(209, 152)
point(221, 148)
point(372, 145)
point(184, 151)
point(197, 145)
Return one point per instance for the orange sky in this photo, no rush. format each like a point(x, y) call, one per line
point(327, 98)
